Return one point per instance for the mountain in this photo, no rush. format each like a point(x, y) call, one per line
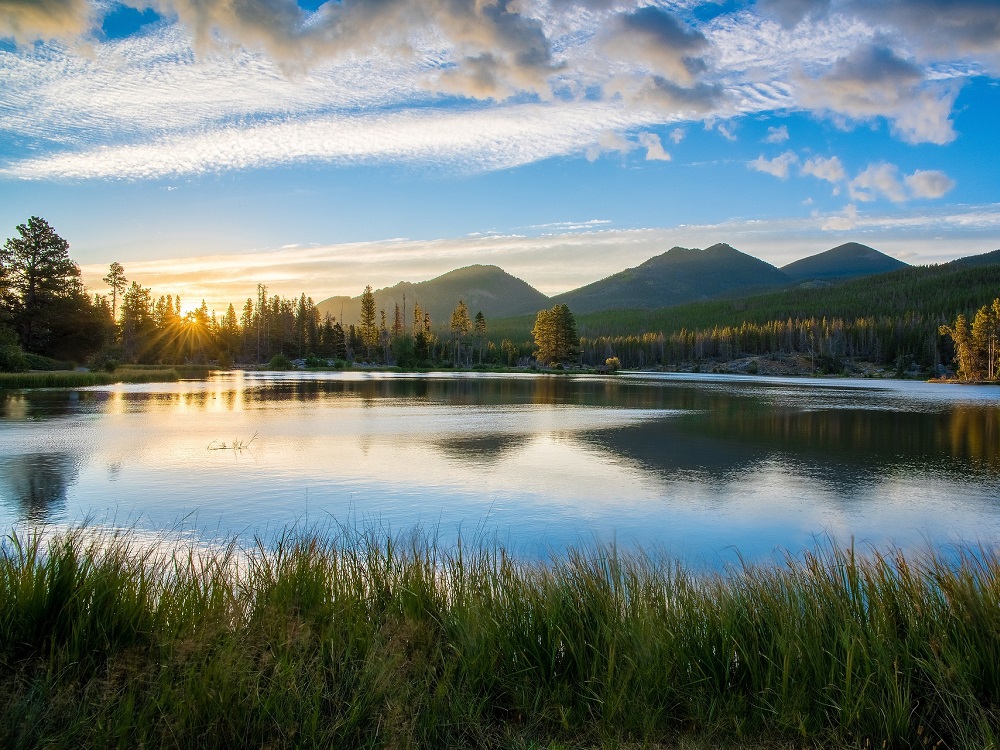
point(977, 261)
point(488, 289)
point(848, 261)
point(674, 277)
point(933, 293)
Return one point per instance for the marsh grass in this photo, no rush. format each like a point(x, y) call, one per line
point(75, 379)
point(361, 640)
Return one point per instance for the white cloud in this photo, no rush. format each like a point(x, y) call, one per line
point(777, 135)
point(883, 180)
point(872, 81)
point(214, 67)
point(845, 221)
point(928, 183)
point(475, 140)
point(829, 169)
point(609, 142)
point(654, 149)
point(26, 21)
point(877, 180)
point(779, 166)
point(727, 131)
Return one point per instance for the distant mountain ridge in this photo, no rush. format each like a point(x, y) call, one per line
point(678, 276)
point(486, 289)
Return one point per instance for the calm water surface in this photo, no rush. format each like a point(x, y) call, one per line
point(696, 466)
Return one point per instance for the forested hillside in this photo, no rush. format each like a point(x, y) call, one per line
point(679, 275)
point(893, 322)
point(486, 289)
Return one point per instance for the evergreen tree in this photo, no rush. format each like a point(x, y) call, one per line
point(418, 319)
point(959, 333)
point(461, 324)
point(979, 342)
point(397, 322)
point(118, 283)
point(368, 324)
point(555, 335)
point(44, 283)
point(137, 323)
point(480, 328)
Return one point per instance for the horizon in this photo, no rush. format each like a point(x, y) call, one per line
point(189, 303)
point(322, 146)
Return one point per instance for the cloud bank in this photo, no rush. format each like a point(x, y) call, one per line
point(271, 83)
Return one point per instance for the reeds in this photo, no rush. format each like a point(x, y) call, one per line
point(79, 379)
point(363, 640)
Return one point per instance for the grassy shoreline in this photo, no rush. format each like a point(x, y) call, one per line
point(84, 378)
point(376, 642)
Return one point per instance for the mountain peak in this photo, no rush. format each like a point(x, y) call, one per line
point(676, 276)
point(484, 288)
point(848, 261)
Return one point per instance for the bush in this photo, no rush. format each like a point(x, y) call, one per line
point(12, 359)
point(38, 362)
point(613, 363)
point(753, 368)
point(279, 362)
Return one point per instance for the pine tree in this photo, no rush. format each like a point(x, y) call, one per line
point(555, 335)
point(369, 328)
point(418, 319)
point(461, 324)
point(480, 327)
point(959, 334)
point(39, 274)
point(118, 283)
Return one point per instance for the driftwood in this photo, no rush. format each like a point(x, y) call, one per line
point(236, 445)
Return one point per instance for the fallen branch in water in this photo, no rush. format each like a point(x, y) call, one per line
point(236, 445)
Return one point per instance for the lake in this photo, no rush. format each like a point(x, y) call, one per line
point(702, 467)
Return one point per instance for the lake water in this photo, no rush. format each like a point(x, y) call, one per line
point(698, 466)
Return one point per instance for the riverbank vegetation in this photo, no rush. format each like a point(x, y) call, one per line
point(374, 642)
point(83, 378)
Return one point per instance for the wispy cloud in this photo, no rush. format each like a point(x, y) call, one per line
point(218, 85)
point(461, 140)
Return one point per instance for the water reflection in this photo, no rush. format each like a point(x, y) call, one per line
point(712, 463)
point(37, 484)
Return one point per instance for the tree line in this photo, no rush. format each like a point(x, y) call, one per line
point(910, 339)
point(47, 314)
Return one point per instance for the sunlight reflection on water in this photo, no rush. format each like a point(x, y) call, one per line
point(697, 466)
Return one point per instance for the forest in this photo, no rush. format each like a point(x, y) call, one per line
point(914, 320)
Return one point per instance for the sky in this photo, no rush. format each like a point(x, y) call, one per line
point(316, 147)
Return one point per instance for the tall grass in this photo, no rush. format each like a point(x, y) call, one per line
point(375, 642)
point(75, 379)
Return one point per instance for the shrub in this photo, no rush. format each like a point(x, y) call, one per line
point(279, 362)
point(12, 359)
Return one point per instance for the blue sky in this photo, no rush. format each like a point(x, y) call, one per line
point(208, 145)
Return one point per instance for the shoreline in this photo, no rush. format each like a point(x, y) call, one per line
point(380, 641)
